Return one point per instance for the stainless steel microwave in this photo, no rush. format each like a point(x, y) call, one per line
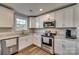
point(49, 24)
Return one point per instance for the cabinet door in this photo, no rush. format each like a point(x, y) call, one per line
point(58, 46)
point(59, 18)
point(32, 22)
point(6, 17)
point(24, 42)
point(41, 21)
point(69, 47)
point(37, 40)
point(52, 16)
point(37, 22)
point(11, 42)
point(68, 17)
point(77, 48)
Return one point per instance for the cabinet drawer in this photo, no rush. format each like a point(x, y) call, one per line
point(10, 42)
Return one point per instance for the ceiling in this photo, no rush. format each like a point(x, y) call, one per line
point(24, 8)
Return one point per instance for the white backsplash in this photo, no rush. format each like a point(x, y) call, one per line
point(59, 31)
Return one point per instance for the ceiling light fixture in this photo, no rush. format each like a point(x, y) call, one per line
point(41, 9)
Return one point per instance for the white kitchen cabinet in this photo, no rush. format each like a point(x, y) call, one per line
point(65, 47)
point(59, 18)
point(41, 21)
point(76, 20)
point(68, 47)
point(11, 42)
point(9, 46)
point(52, 16)
point(37, 40)
point(58, 46)
point(43, 18)
point(25, 41)
point(6, 17)
point(65, 17)
point(68, 16)
point(37, 22)
point(32, 22)
point(77, 47)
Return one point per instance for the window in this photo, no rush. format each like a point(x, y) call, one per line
point(21, 24)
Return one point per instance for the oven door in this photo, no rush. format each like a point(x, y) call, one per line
point(47, 41)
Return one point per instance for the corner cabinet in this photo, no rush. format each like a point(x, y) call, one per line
point(25, 41)
point(37, 40)
point(6, 17)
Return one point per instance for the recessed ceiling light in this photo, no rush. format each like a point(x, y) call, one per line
point(41, 9)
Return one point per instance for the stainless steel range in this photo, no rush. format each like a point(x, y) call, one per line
point(48, 43)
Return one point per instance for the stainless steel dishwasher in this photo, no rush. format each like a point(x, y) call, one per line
point(10, 46)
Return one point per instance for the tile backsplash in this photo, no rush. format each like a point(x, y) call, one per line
point(59, 31)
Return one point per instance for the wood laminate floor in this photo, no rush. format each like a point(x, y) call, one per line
point(32, 50)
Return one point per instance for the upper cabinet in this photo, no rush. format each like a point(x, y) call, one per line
point(41, 19)
point(59, 18)
point(6, 17)
point(32, 22)
point(37, 22)
point(65, 17)
point(68, 17)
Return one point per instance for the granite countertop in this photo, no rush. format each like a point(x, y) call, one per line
point(6, 35)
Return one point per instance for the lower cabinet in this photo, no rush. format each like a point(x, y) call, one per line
point(65, 47)
point(37, 40)
point(9, 46)
point(77, 48)
point(68, 47)
point(58, 46)
point(25, 41)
